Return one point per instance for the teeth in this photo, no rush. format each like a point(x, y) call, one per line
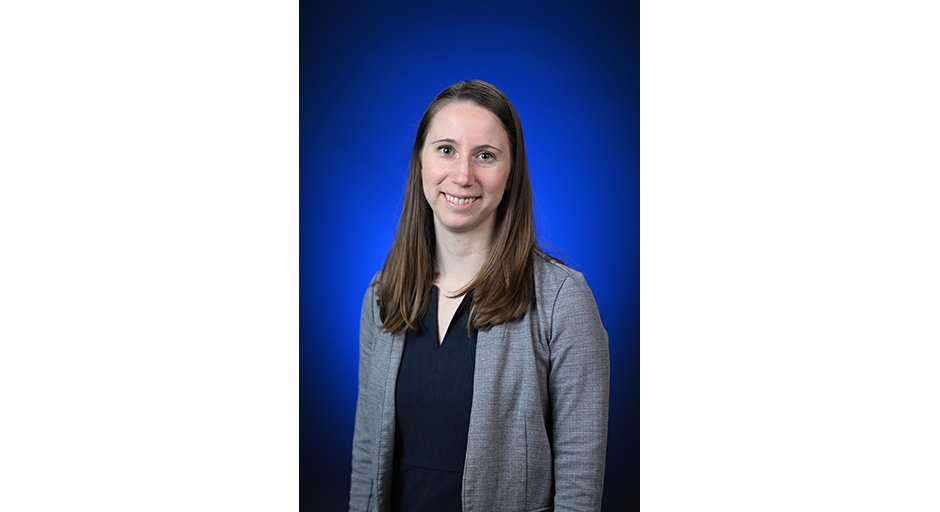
point(457, 200)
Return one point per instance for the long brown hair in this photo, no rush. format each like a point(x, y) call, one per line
point(504, 287)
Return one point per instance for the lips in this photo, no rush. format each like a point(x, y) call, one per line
point(460, 201)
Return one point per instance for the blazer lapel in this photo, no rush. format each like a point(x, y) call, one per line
point(487, 367)
point(389, 349)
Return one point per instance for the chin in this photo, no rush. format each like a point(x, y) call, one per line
point(459, 228)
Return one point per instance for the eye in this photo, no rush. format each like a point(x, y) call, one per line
point(446, 150)
point(486, 155)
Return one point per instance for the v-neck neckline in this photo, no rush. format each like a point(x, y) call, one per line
point(436, 290)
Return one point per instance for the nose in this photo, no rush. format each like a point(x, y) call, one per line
point(463, 173)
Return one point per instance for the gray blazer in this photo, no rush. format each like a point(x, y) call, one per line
point(538, 421)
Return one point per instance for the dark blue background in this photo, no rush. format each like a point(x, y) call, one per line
point(367, 72)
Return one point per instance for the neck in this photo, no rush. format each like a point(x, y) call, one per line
point(460, 256)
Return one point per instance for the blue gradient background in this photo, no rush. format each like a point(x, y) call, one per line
point(367, 72)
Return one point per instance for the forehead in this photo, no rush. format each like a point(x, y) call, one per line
point(467, 122)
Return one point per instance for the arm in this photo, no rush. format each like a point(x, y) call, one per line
point(579, 390)
point(360, 488)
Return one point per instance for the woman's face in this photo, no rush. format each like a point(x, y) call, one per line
point(465, 164)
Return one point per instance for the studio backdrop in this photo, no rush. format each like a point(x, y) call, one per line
point(368, 71)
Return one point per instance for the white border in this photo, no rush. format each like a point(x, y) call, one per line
point(790, 247)
point(149, 284)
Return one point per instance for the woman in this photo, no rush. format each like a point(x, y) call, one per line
point(484, 371)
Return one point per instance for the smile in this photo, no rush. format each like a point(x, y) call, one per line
point(457, 200)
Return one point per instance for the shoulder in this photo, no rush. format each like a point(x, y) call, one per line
point(560, 289)
point(551, 275)
point(370, 303)
point(374, 283)
point(562, 294)
point(567, 312)
point(373, 288)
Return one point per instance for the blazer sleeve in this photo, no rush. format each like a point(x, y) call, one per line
point(360, 489)
point(579, 390)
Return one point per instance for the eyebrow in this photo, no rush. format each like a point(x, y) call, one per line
point(481, 146)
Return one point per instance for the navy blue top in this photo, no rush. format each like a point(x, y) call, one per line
point(432, 404)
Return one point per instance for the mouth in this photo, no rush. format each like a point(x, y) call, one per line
point(460, 201)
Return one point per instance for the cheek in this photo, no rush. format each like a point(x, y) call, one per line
point(424, 174)
point(428, 182)
point(432, 174)
point(502, 182)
